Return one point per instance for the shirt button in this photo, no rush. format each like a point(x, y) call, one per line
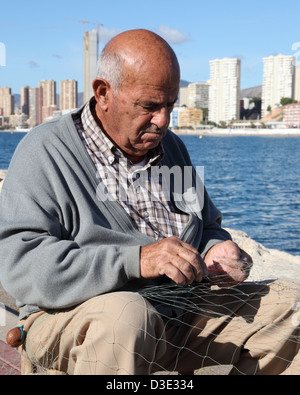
point(111, 159)
point(146, 214)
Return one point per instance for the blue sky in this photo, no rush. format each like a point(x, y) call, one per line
point(44, 41)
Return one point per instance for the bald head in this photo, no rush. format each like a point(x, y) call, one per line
point(137, 52)
point(135, 91)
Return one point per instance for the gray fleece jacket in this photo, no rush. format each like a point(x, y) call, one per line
point(60, 243)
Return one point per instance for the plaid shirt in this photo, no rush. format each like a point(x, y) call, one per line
point(131, 185)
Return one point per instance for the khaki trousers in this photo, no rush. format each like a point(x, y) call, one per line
point(253, 327)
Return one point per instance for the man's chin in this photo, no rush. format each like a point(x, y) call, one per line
point(153, 137)
point(150, 144)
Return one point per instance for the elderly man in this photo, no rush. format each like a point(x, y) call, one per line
point(83, 234)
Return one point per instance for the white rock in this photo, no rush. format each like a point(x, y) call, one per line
point(268, 263)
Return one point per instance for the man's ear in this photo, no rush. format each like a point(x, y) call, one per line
point(101, 89)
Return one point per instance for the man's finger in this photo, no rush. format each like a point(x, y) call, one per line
point(193, 258)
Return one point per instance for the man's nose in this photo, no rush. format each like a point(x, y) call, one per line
point(161, 117)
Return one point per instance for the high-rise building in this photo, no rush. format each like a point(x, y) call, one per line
point(49, 92)
point(90, 59)
point(25, 100)
point(35, 106)
point(68, 95)
point(278, 81)
point(7, 102)
point(297, 84)
point(224, 90)
point(189, 117)
point(184, 96)
point(198, 95)
point(195, 95)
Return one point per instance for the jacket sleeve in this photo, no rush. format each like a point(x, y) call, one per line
point(39, 266)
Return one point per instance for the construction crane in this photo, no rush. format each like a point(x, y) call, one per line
point(84, 22)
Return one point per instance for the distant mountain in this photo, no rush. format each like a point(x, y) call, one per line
point(256, 91)
point(183, 83)
point(17, 99)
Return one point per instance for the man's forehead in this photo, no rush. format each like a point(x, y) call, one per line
point(155, 74)
point(154, 93)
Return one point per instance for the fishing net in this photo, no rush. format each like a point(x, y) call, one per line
point(278, 324)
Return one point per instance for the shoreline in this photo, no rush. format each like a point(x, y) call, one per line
point(217, 132)
point(12, 131)
point(239, 132)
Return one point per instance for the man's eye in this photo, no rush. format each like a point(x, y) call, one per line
point(156, 107)
point(150, 107)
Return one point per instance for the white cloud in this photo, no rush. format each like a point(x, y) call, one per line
point(173, 36)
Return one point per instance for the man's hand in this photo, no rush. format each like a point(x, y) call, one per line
point(172, 257)
point(227, 264)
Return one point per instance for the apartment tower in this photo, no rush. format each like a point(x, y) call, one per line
point(49, 92)
point(7, 102)
point(25, 100)
point(195, 95)
point(90, 59)
point(278, 81)
point(224, 90)
point(297, 84)
point(35, 106)
point(68, 95)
